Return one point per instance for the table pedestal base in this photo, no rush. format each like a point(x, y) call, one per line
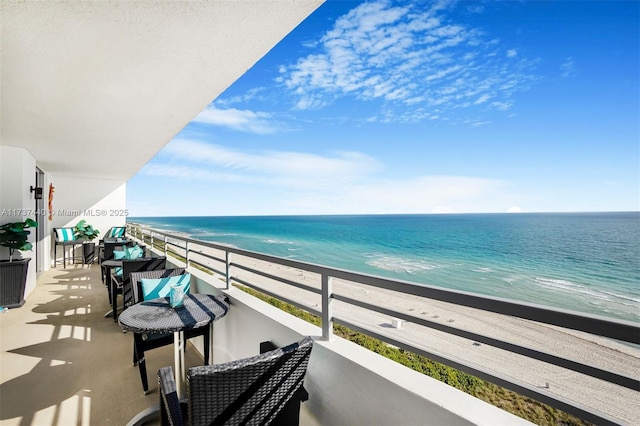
point(179, 365)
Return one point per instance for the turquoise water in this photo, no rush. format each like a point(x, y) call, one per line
point(587, 262)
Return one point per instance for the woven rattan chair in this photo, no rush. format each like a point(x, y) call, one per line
point(144, 342)
point(248, 391)
point(64, 237)
point(107, 254)
point(121, 284)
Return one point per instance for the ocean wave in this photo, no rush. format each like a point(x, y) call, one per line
point(512, 278)
point(624, 297)
point(400, 264)
point(202, 233)
point(272, 241)
point(566, 286)
point(178, 233)
point(483, 270)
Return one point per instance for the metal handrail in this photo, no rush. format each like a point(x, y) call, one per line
point(622, 330)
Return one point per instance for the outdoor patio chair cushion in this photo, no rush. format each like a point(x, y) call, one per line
point(116, 232)
point(65, 234)
point(153, 288)
point(135, 252)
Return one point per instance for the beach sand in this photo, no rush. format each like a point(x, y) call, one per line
point(616, 401)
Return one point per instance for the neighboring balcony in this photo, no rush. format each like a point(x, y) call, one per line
point(63, 362)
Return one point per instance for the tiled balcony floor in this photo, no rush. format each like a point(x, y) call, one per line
point(63, 363)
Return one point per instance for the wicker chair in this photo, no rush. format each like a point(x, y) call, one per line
point(107, 254)
point(64, 237)
point(144, 342)
point(248, 391)
point(121, 284)
point(113, 235)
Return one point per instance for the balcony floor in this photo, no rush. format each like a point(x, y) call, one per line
point(64, 363)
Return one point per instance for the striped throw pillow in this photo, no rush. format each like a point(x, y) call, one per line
point(116, 232)
point(65, 234)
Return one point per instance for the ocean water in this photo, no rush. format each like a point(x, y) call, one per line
point(588, 262)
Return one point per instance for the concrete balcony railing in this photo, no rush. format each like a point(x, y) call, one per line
point(582, 364)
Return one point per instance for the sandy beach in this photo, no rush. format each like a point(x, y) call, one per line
point(616, 401)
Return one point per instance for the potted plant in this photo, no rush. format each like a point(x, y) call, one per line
point(87, 233)
point(13, 273)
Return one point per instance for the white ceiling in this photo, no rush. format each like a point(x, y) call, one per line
point(97, 88)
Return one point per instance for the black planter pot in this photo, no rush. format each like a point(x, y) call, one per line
point(88, 252)
point(13, 279)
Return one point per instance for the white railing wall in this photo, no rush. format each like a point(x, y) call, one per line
point(218, 259)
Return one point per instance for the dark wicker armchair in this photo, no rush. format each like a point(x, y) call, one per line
point(107, 254)
point(121, 284)
point(248, 391)
point(144, 342)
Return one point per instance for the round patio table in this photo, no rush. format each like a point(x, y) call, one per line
point(157, 316)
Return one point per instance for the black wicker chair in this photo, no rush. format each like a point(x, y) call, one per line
point(113, 235)
point(248, 391)
point(145, 342)
point(64, 237)
point(107, 254)
point(121, 284)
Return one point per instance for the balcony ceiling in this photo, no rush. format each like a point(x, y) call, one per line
point(96, 89)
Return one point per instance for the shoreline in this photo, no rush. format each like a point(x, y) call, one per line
point(528, 261)
point(582, 347)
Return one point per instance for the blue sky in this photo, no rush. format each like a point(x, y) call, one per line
point(419, 107)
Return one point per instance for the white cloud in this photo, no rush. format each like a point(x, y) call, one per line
point(409, 56)
point(249, 95)
point(567, 68)
point(243, 120)
point(514, 209)
point(202, 161)
point(300, 183)
point(422, 194)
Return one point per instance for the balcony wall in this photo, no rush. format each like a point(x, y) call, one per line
point(17, 174)
point(347, 383)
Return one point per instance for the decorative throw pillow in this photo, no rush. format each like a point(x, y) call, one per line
point(152, 288)
point(119, 254)
point(135, 252)
point(116, 232)
point(65, 234)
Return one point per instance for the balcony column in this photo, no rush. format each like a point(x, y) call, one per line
point(227, 261)
point(327, 308)
point(165, 246)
